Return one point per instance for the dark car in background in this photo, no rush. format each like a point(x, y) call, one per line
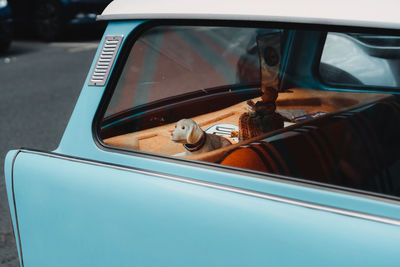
point(5, 26)
point(47, 19)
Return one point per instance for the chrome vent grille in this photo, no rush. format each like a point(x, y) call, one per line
point(105, 61)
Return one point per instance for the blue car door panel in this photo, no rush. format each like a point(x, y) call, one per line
point(79, 212)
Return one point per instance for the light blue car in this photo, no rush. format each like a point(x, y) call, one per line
point(223, 134)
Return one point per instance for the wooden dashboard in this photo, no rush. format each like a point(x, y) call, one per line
point(157, 139)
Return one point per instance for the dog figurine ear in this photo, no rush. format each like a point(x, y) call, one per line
point(194, 133)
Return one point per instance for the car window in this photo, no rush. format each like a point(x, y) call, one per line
point(361, 60)
point(219, 95)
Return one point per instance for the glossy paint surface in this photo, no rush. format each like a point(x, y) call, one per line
point(158, 221)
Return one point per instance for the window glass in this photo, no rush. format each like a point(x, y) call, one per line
point(219, 94)
point(168, 61)
point(361, 59)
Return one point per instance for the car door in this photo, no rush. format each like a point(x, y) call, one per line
point(86, 204)
point(80, 212)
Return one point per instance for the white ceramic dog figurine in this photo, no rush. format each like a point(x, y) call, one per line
point(194, 139)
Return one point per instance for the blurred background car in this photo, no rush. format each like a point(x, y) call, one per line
point(47, 19)
point(5, 26)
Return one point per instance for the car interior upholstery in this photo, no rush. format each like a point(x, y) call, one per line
point(353, 148)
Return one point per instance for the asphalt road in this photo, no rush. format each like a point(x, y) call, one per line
point(39, 85)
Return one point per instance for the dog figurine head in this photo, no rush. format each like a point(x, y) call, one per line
point(187, 132)
point(194, 139)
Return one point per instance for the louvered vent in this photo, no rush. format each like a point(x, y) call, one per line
point(106, 60)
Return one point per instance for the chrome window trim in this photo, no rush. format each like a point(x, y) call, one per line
point(271, 197)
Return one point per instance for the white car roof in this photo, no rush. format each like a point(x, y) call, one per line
point(367, 13)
